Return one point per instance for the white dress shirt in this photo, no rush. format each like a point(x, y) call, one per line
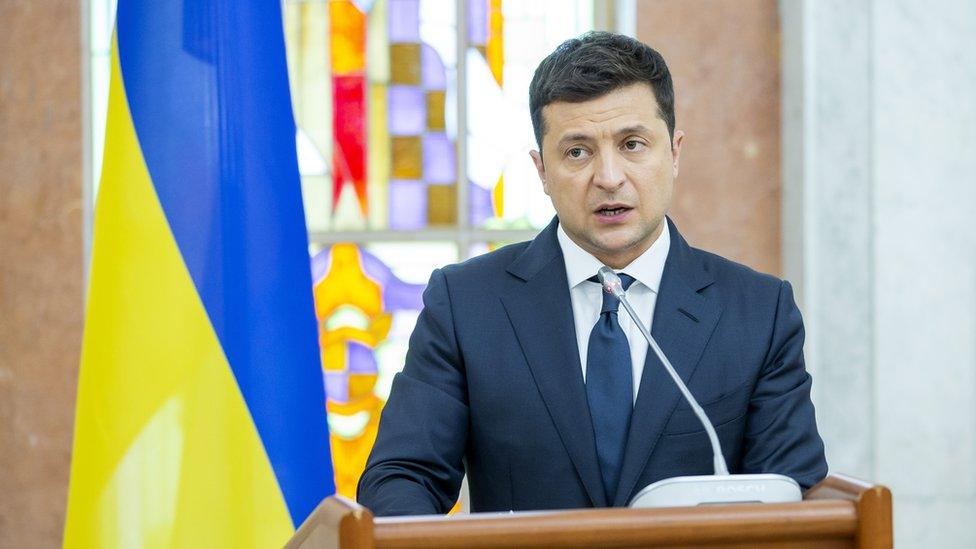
point(587, 297)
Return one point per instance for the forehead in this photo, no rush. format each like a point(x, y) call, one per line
point(626, 106)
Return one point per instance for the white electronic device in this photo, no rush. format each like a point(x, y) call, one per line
point(702, 489)
point(715, 489)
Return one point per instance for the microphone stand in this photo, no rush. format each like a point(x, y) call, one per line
point(721, 487)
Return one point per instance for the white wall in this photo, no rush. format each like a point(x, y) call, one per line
point(879, 233)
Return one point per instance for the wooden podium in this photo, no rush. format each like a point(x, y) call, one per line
point(838, 512)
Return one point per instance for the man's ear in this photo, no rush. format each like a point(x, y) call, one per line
point(540, 168)
point(676, 150)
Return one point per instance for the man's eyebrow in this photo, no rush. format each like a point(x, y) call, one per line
point(568, 138)
point(636, 128)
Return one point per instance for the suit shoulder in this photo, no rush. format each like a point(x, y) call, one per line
point(752, 299)
point(723, 269)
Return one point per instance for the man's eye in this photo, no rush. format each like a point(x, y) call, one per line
point(633, 145)
point(575, 152)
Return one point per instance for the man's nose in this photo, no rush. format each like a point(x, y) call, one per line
point(608, 173)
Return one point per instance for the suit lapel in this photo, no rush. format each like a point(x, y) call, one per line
point(541, 312)
point(683, 323)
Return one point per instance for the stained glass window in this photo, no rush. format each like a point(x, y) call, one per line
point(376, 92)
point(382, 91)
point(367, 299)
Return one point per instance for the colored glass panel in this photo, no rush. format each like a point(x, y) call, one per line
point(480, 204)
point(408, 110)
point(404, 20)
point(441, 204)
point(440, 164)
point(432, 73)
point(348, 37)
point(349, 158)
point(407, 157)
point(409, 200)
point(361, 359)
point(337, 385)
point(435, 110)
point(477, 22)
point(405, 64)
point(494, 47)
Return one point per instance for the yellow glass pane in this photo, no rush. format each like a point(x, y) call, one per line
point(442, 204)
point(407, 153)
point(495, 52)
point(405, 64)
point(348, 37)
point(361, 385)
point(435, 111)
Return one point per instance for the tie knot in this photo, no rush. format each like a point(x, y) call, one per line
point(611, 303)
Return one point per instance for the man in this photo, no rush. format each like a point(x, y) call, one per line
point(523, 375)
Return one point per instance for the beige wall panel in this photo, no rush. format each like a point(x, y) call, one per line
point(40, 263)
point(724, 58)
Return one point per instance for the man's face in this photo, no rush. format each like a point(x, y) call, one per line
point(609, 166)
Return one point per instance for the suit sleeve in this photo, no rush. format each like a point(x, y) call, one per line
point(416, 463)
point(781, 432)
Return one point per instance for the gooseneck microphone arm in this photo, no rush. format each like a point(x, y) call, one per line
point(611, 285)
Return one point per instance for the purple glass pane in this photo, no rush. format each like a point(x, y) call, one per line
point(404, 295)
point(439, 161)
point(320, 264)
point(404, 18)
point(478, 22)
point(360, 358)
point(479, 202)
point(397, 294)
point(337, 386)
point(432, 73)
point(407, 110)
point(408, 205)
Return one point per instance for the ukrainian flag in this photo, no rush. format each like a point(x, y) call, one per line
point(201, 410)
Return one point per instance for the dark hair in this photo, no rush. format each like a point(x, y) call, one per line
point(593, 65)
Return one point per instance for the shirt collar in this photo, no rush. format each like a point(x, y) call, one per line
point(647, 269)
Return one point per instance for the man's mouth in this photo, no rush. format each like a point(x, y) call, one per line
point(610, 211)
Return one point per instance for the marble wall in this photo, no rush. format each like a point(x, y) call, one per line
point(879, 204)
point(724, 59)
point(40, 263)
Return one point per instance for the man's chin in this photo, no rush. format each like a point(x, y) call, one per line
point(619, 253)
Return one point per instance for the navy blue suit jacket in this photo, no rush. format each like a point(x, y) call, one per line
point(493, 386)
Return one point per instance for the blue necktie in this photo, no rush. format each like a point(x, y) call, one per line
point(610, 389)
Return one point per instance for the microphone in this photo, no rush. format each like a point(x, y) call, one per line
point(701, 489)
